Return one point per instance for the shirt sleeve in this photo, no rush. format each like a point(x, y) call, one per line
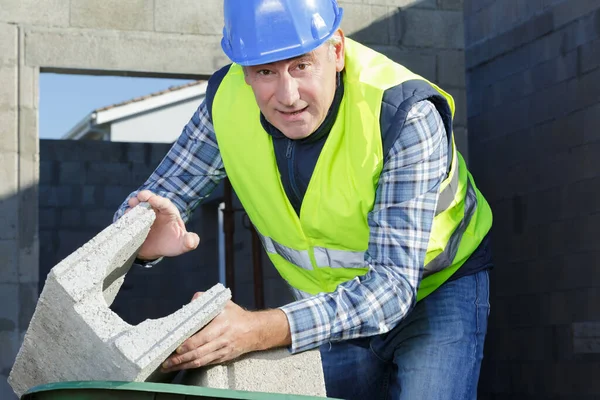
point(400, 226)
point(190, 171)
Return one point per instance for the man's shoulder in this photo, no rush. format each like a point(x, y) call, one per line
point(396, 104)
point(213, 85)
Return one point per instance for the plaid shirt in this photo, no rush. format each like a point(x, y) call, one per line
point(400, 225)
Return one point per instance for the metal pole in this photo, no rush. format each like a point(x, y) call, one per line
point(229, 230)
point(259, 297)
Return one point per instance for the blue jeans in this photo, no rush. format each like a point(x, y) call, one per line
point(435, 353)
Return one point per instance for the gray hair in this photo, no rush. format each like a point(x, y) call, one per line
point(332, 42)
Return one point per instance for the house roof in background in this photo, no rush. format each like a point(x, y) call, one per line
point(137, 105)
point(148, 96)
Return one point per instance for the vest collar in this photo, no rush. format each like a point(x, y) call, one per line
point(323, 130)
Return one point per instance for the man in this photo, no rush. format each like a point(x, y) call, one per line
point(346, 164)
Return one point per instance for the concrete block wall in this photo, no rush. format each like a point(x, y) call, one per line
point(81, 185)
point(146, 38)
point(533, 78)
point(426, 36)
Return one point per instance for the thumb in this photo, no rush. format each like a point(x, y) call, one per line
point(196, 295)
point(190, 241)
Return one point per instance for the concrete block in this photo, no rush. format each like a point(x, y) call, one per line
point(433, 28)
point(586, 337)
point(8, 44)
point(8, 87)
point(72, 323)
point(29, 143)
point(367, 23)
point(29, 87)
point(28, 296)
point(273, 371)
point(8, 129)
point(8, 261)
point(8, 175)
point(571, 10)
point(32, 12)
point(124, 51)
point(9, 312)
point(589, 56)
point(109, 174)
point(451, 68)
point(554, 71)
point(419, 61)
point(9, 217)
point(72, 172)
point(136, 15)
point(451, 5)
point(189, 16)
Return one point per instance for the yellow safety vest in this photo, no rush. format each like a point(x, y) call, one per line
point(326, 244)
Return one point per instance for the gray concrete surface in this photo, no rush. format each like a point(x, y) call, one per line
point(74, 335)
point(273, 371)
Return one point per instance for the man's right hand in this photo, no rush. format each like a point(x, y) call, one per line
point(168, 236)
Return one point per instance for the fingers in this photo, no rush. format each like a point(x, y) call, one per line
point(190, 241)
point(133, 201)
point(212, 352)
point(145, 195)
point(196, 295)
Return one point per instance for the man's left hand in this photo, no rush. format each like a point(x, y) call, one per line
point(232, 333)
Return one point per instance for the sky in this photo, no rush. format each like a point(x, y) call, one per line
point(67, 99)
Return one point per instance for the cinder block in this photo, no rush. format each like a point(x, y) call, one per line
point(273, 371)
point(451, 5)
point(28, 133)
point(32, 12)
point(72, 323)
point(8, 129)
point(8, 175)
point(9, 312)
point(109, 174)
point(368, 23)
point(9, 216)
point(586, 337)
point(189, 16)
point(451, 68)
point(8, 261)
point(418, 31)
point(8, 44)
point(124, 51)
point(8, 87)
point(554, 71)
point(589, 54)
point(136, 15)
point(419, 61)
point(568, 11)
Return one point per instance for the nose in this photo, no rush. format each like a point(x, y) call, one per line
point(287, 90)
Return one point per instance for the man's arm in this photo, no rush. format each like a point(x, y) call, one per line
point(400, 226)
point(191, 169)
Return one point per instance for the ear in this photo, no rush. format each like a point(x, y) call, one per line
point(245, 75)
point(340, 60)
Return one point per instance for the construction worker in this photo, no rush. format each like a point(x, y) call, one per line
point(346, 164)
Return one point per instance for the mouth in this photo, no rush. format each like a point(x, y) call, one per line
point(293, 113)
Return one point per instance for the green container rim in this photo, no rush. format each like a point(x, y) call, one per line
point(165, 388)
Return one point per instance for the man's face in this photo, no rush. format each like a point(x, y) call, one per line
point(294, 95)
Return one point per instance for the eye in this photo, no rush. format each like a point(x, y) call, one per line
point(302, 66)
point(264, 72)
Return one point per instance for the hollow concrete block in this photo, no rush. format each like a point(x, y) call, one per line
point(272, 371)
point(74, 335)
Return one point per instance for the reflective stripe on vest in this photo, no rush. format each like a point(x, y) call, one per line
point(324, 257)
point(445, 258)
point(448, 194)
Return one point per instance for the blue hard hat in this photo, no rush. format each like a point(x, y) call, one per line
point(265, 31)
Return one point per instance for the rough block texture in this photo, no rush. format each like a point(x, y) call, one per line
point(32, 12)
point(274, 371)
point(532, 80)
point(136, 15)
point(78, 49)
point(185, 16)
point(73, 324)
